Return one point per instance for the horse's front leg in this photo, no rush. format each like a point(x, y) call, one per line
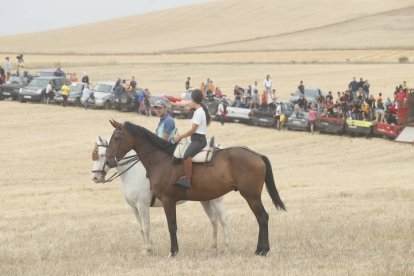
point(170, 213)
point(144, 213)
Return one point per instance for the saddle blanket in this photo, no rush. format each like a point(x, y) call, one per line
point(205, 156)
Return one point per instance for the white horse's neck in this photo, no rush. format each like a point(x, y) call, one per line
point(132, 178)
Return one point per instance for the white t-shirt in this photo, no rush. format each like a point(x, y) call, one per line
point(48, 88)
point(268, 83)
point(199, 118)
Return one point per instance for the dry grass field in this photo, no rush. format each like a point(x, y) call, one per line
point(350, 201)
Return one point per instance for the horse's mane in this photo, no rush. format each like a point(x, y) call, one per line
point(144, 133)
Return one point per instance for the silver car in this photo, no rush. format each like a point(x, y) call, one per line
point(103, 95)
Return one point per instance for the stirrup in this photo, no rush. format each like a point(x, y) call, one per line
point(182, 182)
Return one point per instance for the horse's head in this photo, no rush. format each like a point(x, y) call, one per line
point(121, 143)
point(99, 169)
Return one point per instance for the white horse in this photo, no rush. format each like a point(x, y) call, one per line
point(137, 192)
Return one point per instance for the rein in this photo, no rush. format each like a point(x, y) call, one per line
point(134, 159)
point(129, 159)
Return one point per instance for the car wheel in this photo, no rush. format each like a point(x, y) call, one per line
point(106, 105)
point(21, 99)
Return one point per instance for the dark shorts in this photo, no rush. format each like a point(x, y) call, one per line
point(198, 143)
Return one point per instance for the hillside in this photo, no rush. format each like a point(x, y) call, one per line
point(232, 25)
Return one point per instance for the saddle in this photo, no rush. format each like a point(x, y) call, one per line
point(205, 156)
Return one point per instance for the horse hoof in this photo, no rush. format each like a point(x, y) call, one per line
point(172, 254)
point(214, 246)
point(262, 253)
point(146, 252)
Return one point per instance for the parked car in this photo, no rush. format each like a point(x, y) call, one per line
point(48, 73)
point(103, 95)
point(75, 94)
point(358, 127)
point(240, 114)
point(298, 122)
point(267, 118)
point(35, 90)
point(311, 95)
point(126, 101)
point(212, 103)
point(331, 125)
point(181, 108)
point(11, 88)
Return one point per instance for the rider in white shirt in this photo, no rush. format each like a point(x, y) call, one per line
point(201, 119)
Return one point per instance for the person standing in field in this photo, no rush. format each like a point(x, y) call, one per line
point(187, 83)
point(20, 65)
point(268, 84)
point(147, 102)
point(85, 78)
point(313, 114)
point(8, 66)
point(65, 94)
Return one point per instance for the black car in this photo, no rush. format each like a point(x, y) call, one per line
point(298, 121)
point(35, 90)
point(11, 88)
point(267, 118)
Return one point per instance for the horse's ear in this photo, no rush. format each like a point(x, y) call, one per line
point(115, 124)
point(101, 140)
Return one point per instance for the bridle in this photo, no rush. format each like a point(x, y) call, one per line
point(129, 159)
point(134, 158)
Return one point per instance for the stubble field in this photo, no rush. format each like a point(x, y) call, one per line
point(350, 200)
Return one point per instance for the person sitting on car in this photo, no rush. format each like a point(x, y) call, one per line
point(73, 78)
point(263, 102)
point(59, 72)
point(237, 96)
point(365, 110)
point(255, 100)
point(356, 111)
point(302, 102)
point(218, 93)
point(329, 105)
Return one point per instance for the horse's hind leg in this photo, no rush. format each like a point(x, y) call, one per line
point(262, 217)
point(211, 213)
point(221, 213)
point(144, 214)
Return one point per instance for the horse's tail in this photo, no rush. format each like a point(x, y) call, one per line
point(271, 186)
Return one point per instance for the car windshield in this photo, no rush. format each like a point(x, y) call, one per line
point(39, 82)
point(105, 88)
point(15, 80)
point(186, 96)
point(46, 74)
point(75, 88)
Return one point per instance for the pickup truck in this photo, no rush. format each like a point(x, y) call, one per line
point(242, 114)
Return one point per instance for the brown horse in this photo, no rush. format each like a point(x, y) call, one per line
point(234, 169)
